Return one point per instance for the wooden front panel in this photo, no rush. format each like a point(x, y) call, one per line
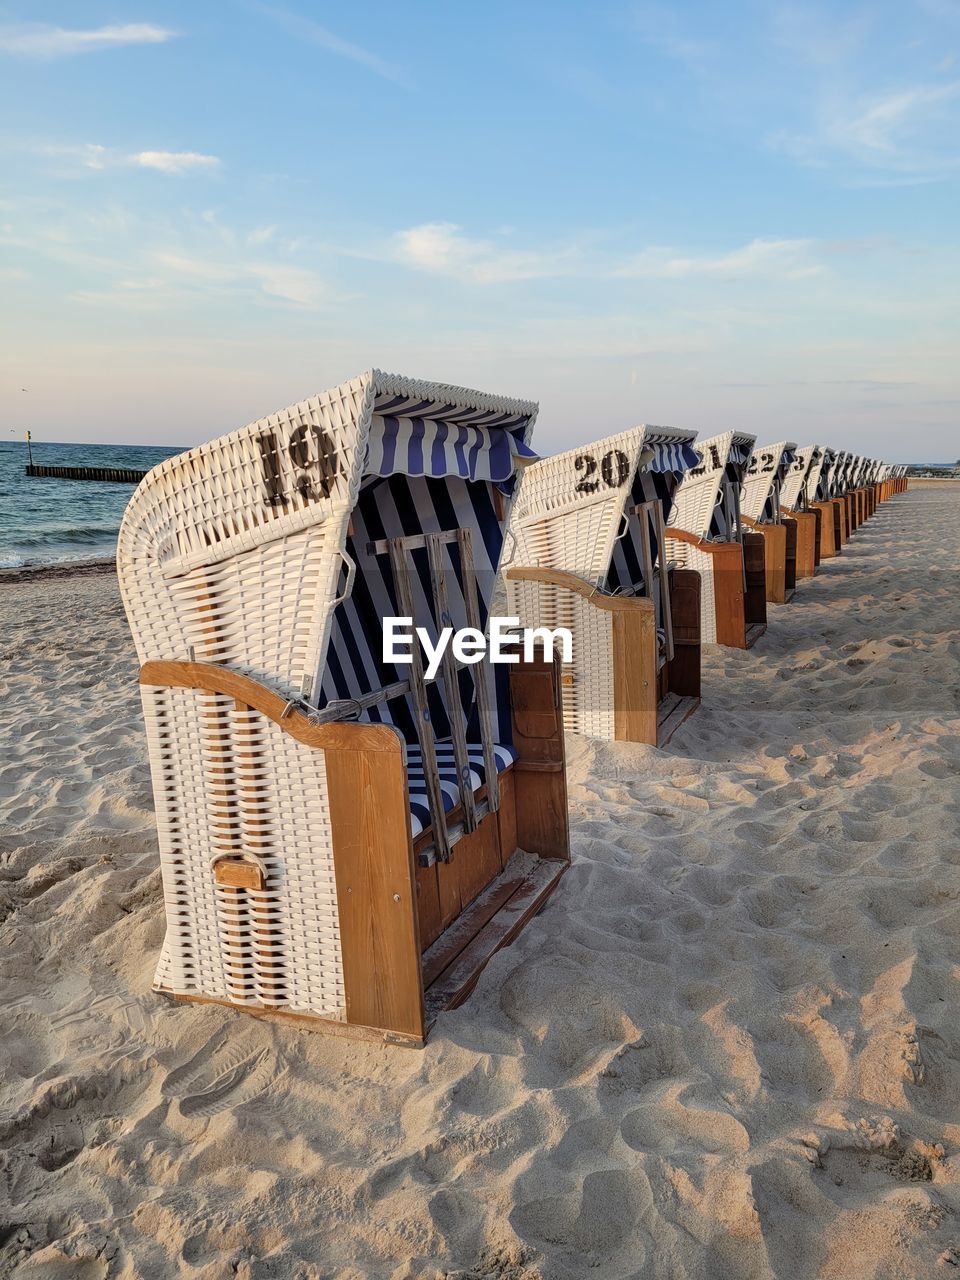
point(755, 595)
point(373, 862)
point(826, 544)
point(684, 670)
point(775, 561)
point(635, 674)
point(839, 522)
point(728, 594)
point(790, 554)
point(540, 778)
point(806, 561)
point(817, 534)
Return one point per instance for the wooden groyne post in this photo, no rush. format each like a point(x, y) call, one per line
point(120, 475)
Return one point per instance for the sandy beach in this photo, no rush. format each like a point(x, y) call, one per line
point(728, 1049)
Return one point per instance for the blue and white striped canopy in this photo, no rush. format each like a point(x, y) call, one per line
point(670, 454)
point(411, 445)
point(740, 452)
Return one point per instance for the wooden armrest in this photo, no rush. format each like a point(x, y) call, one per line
point(335, 735)
point(570, 582)
point(751, 524)
point(717, 549)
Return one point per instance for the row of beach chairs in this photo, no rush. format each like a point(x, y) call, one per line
point(346, 840)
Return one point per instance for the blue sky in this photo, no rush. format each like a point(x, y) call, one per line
point(714, 216)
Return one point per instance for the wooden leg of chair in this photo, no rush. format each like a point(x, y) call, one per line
point(539, 774)
point(684, 669)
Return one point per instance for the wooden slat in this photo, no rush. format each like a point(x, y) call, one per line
point(480, 669)
point(671, 714)
point(428, 905)
point(412, 542)
point(478, 859)
point(458, 937)
point(458, 727)
point(652, 571)
point(456, 982)
point(418, 692)
point(507, 818)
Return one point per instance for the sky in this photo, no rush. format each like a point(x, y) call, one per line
point(738, 216)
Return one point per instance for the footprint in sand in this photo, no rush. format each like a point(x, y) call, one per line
point(223, 1075)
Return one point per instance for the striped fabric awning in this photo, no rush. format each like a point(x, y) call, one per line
point(433, 446)
point(740, 451)
point(670, 454)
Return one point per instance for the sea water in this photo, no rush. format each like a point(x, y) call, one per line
point(54, 521)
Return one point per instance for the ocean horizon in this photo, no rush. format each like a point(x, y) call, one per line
point(46, 521)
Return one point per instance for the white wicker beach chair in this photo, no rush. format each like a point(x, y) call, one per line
point(338, 836)
point(846, 490)
point(584, 551)
point(797, 503)
point(761, 510)
point(706, 534)
point(820, 484)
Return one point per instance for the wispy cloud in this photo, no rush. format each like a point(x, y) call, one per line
point(173, 161)
point(42, 40)
point(784, 259)
point(115, 256)
point(442, 249)
point(314, 33)
point(906, 135)
point(95, 157)
point(285, 281)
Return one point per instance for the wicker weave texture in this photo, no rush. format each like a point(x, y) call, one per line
point(277, 947)
point(587, 681)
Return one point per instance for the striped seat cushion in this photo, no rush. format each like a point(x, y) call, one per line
point(419, 805)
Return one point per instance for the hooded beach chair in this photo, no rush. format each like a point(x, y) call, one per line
point(858, 491)
point(760, 510)
point(706, 534)
point(819, 487)
point(889, 476)
point(836, 487)
point(795, 503)
point(585, 551)
point(341, 840)
point(879, 471)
